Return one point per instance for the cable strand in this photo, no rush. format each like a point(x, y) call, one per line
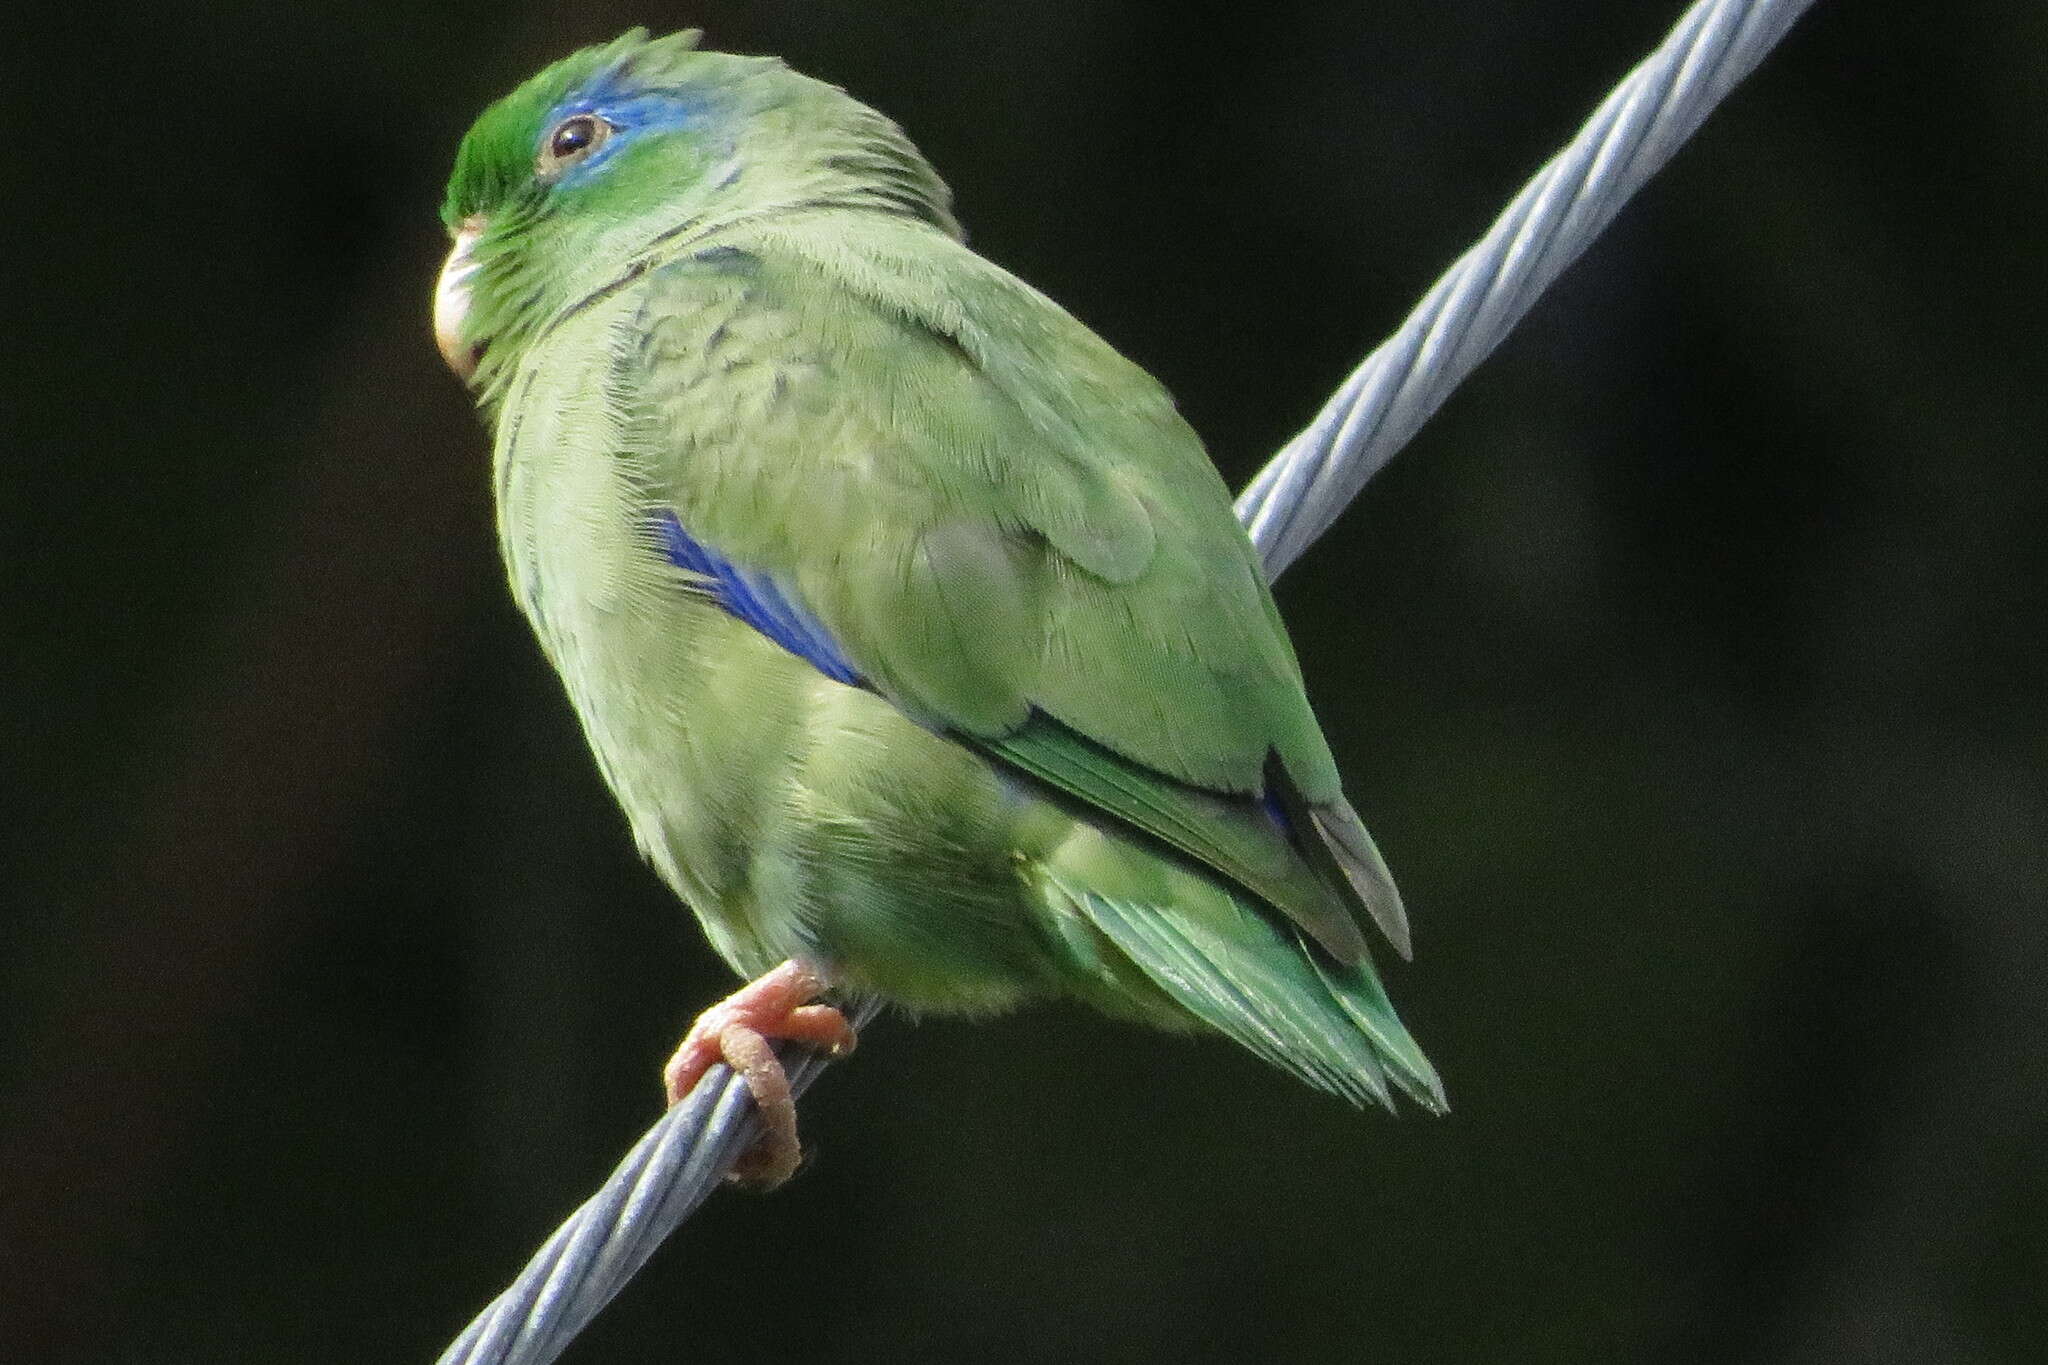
point(1465, 315)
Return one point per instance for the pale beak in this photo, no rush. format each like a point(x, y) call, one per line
point(451, 301)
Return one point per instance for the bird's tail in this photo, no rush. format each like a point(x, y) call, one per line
point(1253, 979)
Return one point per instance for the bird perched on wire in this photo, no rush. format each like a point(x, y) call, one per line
point(908, 621)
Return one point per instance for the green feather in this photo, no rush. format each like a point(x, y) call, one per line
point(1232, 837)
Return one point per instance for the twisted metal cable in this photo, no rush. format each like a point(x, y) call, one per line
point(602, 1245)
point(1464, 316)
point(685, 1156)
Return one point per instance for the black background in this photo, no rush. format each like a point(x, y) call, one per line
point(1687, 667)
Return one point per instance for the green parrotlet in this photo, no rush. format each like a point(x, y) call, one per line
point(908, 621)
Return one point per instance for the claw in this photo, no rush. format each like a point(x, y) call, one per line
point(736, 1031)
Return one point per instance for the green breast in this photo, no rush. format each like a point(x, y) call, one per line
point(794, 814)
point(678, 701)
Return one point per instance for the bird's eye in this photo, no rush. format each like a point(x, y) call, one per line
point(570, 141)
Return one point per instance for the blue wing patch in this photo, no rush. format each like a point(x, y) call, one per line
point(754, 598)
point(1276, 813)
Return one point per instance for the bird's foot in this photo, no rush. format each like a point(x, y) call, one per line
point(736, 1031)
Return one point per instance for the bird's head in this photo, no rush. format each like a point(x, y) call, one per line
point(583, 176)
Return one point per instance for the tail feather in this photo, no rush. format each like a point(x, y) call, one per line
point(1261, 985)
point(1358, 992)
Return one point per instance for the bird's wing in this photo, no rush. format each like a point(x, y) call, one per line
point(908, 467)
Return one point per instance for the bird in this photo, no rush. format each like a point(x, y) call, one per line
point(907, 620)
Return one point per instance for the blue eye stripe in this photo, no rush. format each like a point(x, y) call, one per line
point(630, 113)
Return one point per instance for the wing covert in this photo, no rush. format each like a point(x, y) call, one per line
point(989, 517)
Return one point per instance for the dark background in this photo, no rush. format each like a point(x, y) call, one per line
point(1687, 666)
